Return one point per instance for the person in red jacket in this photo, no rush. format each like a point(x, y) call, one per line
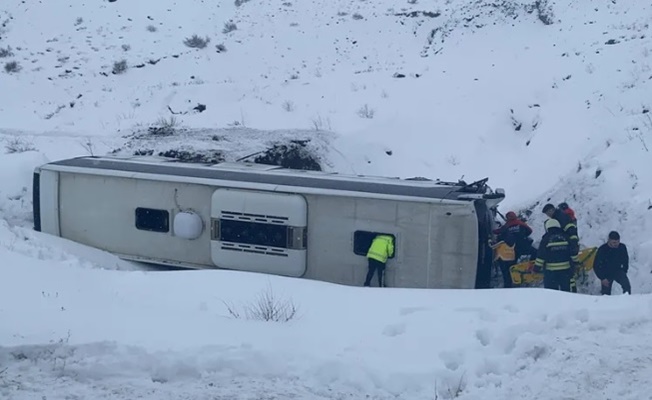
point(568, 211)
point(515, 232)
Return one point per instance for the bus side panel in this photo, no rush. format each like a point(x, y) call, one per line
point(436, 244)
point(339, 230)
point(135, 217)
point(47, 209)
point(453, 241)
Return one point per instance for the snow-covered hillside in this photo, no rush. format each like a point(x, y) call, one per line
point(549, 99)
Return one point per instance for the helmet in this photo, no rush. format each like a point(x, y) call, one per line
point(551, 223)
point(510, 216)
point(548, 207)
point(563, 206)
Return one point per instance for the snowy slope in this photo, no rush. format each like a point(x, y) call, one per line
point(489, 89)
point(551, 103)
point(88, 333)
point(477, 79)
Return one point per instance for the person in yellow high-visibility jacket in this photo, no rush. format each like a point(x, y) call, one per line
point(505, 256)
point(382, 247)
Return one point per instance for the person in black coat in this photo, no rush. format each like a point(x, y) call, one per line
point(567, 225)
point(612, 263)
point(516, 232)
point(555, 258)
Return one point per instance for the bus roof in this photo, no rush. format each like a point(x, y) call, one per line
point(276, 175)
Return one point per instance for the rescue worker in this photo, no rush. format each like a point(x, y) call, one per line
point(555, 258)
point(566, 217)
point(568, 227)
point(382, 247)
point(570, 212)
point(505, 256)
point(612, 263)
point(519, 231)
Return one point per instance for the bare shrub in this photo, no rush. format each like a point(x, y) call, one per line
point(18, 145)
point(126, 47)
point(56, 352)
point(544, 12)
point(229, 26)
point(238, 3)
point(318, 123)
point(59, 353)
point(12, 67)
point(413, 1)
point(151, 28)
point(88, 145)
point(641, 135)
point(342, 13)
point(357, 16)
point(453, 392)
point(197, 42)
point(267, 306)
point(120, 67)
point(366, 112)
point(221, 48)
point(453, 160)
point(164, 126)
point(79, 21)
point(288, 106)
point(457, 390)
point(6, 52)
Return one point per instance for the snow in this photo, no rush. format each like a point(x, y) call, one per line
point(152, 337)
point(551, 113)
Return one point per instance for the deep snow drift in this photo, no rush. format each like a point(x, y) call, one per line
point(169, 335)
point(549, 100)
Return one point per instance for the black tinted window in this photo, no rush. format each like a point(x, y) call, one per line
point(148, 219)
point(254, 233)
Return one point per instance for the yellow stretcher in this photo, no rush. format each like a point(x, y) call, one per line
point(524, 275)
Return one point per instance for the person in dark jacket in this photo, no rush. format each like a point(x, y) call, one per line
point(568, 227)
point(555, 258)
point(568, 211)
point(516, 231)
point(571, 214)
point(612, 263)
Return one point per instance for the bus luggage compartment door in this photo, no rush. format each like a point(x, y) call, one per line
point(259, 231)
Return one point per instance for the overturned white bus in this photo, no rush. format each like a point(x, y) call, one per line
point(268, 219)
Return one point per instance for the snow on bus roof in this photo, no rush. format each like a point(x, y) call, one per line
point(272, 174)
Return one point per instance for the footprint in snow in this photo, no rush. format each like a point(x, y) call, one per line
point(452, 359)
point(394, 329)
point(411, 310)
point(582, 315)
point(511, 308)
point(483, 336)
point(483, 314)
